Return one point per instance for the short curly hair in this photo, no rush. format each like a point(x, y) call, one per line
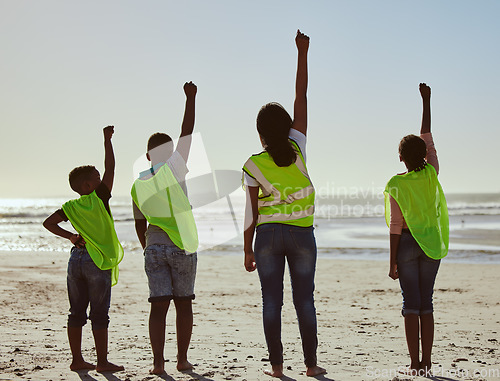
point(80, 174)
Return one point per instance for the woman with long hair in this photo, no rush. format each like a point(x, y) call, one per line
point(280, 212)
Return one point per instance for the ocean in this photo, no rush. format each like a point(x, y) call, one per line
point(347, 226)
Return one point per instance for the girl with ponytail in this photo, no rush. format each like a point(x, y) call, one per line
point(280, 212)
point(417, 216)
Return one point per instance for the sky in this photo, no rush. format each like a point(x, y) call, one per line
point(68, 69)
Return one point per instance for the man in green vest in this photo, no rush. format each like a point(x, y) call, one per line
point(171, 239)
point(93, 265)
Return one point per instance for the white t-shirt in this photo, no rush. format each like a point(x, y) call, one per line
point(299, 138)
point(176, 164)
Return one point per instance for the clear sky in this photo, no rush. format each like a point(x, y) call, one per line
point(69, 68)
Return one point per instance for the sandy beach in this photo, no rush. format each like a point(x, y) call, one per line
point(361, 334)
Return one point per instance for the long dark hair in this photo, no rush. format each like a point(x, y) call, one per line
point(413, 151)
point(273, 125)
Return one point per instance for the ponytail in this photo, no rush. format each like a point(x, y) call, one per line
point(273, 125)
point(282, 152)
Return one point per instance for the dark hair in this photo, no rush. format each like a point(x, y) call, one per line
point(273, 125)
point(413, 150)
point(157, 139)
point(80, 174)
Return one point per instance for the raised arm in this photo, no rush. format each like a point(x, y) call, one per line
point(184, 144)
point(425, 92)
point(431, 157)
point(109, 158)
point(300, 105)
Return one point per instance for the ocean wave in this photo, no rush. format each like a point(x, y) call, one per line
point(27, 211)
point(21, 215)
point(490, 208)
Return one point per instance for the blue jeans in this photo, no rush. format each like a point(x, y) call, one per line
point(87, 284)
point(274, 243)
point(417, 273)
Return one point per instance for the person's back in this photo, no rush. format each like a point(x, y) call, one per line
point(93, 264)
point(417, 216)
point(167, 231)
point(160, 197)
point(286, 193)
point(280, 213)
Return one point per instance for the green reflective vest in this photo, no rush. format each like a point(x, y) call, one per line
point(422, 202)
point(286, 194)
point(91, 220)
point(164, 204)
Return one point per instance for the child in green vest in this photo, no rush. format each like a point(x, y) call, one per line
point(417, 216)
point(167, 231)
point(93, 264)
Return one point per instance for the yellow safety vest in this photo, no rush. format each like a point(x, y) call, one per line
point(286, 194)
point(91, 220)
point(422, 202)
point(163, 202)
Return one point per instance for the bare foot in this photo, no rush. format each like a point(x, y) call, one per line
point(184, 365)
point(315, 371)
point(157, 370)
point(425, 369)
point(81, 365)
point(276, 371)
point(108, 367)
point(158, 366)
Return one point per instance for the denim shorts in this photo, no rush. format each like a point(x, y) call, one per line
point(417, 273)
point(171, 273)
point(87, 284)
